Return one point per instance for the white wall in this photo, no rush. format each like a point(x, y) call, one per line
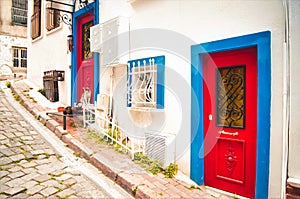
point(294, 138)
point(49, 52)
point(198, 22)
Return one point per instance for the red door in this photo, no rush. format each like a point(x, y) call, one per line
point(85, 59)
point(230, 120)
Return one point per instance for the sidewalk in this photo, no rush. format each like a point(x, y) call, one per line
point(117, 166)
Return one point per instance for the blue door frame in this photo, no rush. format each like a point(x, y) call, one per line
point(262, 40)
point(74, 95)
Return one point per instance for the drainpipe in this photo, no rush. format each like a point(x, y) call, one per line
point(286, 99)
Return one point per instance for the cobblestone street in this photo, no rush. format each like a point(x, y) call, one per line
point(30, 167)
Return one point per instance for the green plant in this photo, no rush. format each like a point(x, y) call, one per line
point(42, 91)
point(17, 97)
point(8, 84)
point(171, 170)
point(134, 189)
point(155, 167)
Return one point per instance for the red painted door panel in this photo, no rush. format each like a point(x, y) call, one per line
point(85, 59)
point(230, 120)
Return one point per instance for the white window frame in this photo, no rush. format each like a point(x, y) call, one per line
point(19, 57)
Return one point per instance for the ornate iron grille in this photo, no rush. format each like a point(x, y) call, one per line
point(230, 93)
point(86, 51)
point(142, 84)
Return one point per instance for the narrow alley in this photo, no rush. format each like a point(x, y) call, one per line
point(31, 168)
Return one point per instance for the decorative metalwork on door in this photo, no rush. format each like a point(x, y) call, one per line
point(86, 52)
point(230, 92)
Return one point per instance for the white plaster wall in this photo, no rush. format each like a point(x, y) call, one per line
point(6, 44)
point(294, 138)
point(49, 52)
point(204, 21)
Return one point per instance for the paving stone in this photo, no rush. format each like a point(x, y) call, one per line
point(28, 164)
point(23, 123)
point(3, 173)
point(73, 197)
point(15, 169)
point(49, 191)
point(40, 157)
point(5, 160)
point(7, 152)
point(29, 184)
point(19, 196)
point(14, 190)
point(17, 150)
point(45, 169)
point(35, 189)
point(2, 137)
point(29, 170)
point(69, 182)
point(16, 158)
point(10, 135)
point(33, 133)
point(4, 180)
point(15, 182)
point(50, 183)
point(64, 177)
point(42, 178)
point(35, 196)
point(65, 193)
point(19, 134)
point(16, 174)
point(57, 173)
point(3, 188)
point(30, 176)
point(28, 137)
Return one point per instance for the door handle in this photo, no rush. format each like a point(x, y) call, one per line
point(228, 133)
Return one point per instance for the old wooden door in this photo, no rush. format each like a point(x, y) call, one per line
point(230, 120)
point(85, 59)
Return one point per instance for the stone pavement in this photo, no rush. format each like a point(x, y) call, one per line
point(118, 167)
point(30, 168)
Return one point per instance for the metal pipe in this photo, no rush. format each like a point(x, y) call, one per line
point(286, 99)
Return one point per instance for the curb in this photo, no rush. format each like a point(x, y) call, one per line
point(85, 152)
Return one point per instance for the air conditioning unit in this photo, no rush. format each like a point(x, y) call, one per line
point(161, 147)
point(111, 40)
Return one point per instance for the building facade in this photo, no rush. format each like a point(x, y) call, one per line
point(214, 79)
point(210, 85)
point(13, 38)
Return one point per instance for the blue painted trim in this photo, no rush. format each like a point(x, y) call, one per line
point(263, 42)
point(74, 85)
point(96, 56)
point(160, 93)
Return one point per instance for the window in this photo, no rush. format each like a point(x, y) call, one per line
point(86, 51)
point(52, 19)
point(145, 79)
point(19, 57)
point(36, 20)
point(19, 12)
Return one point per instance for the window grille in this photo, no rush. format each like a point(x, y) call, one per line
point(36, 20)
point(52, 19)
point(19, 12)
point(145, 79)
point(19, 57)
